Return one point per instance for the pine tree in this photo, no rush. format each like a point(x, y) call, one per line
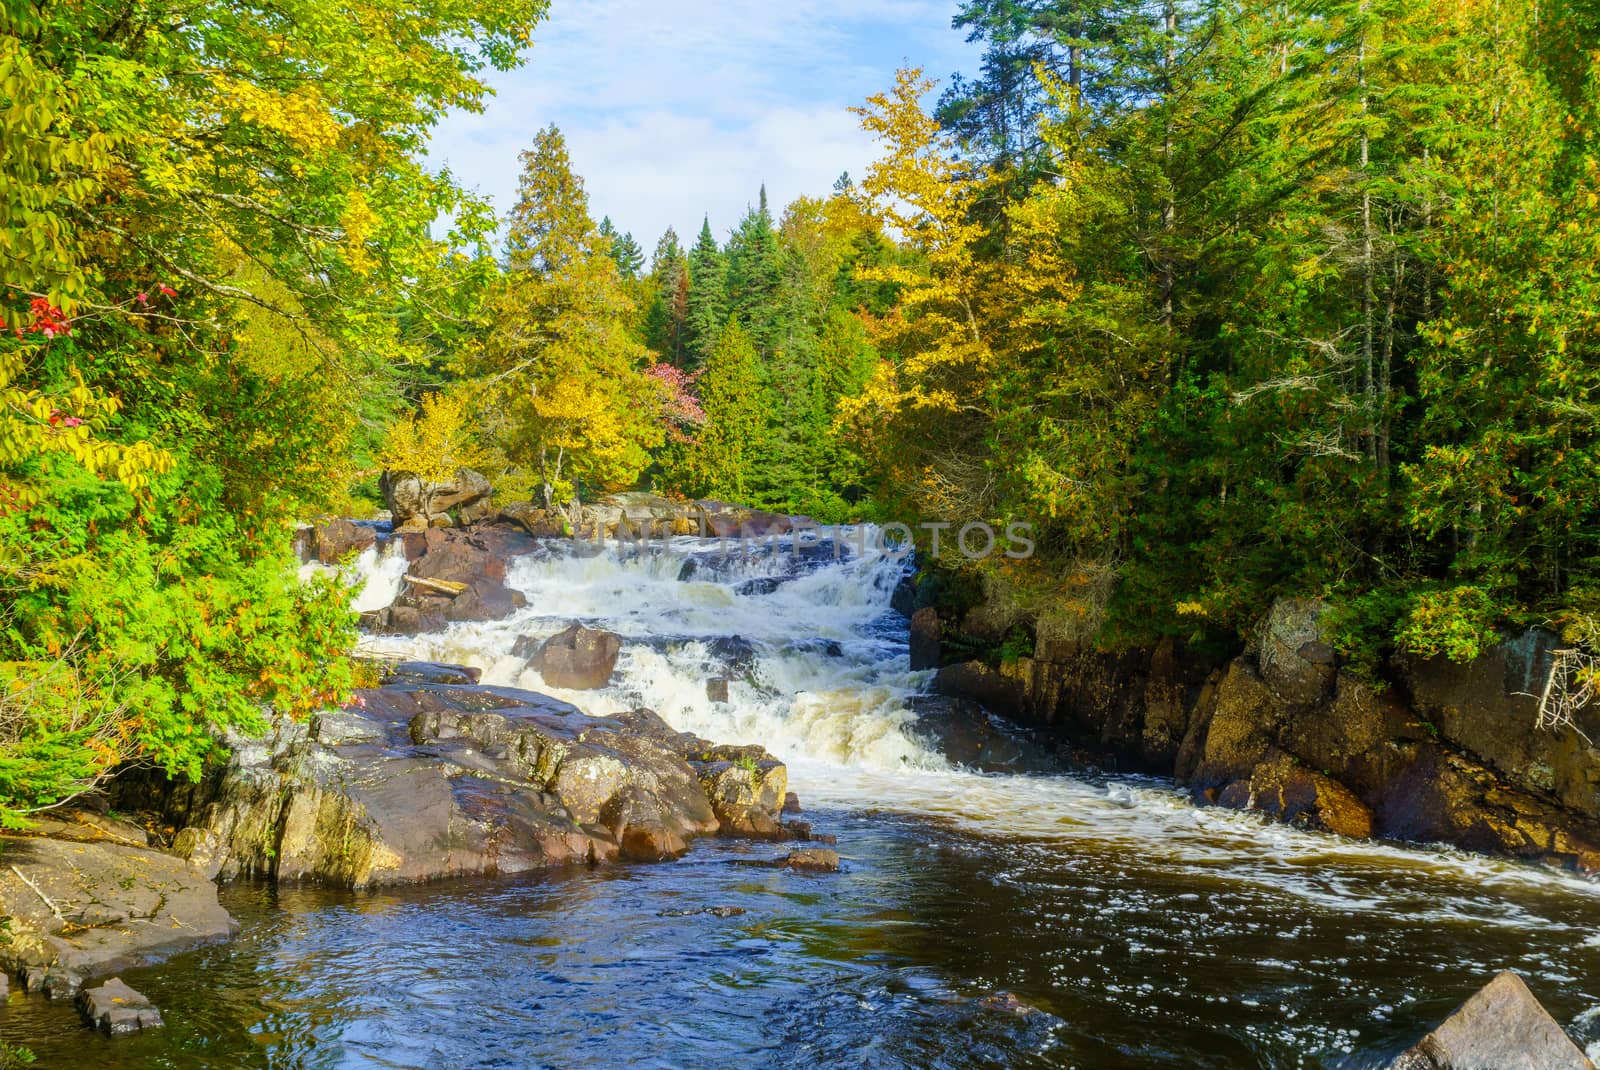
point(666, 320)
point(565, 396)
point(726, 460)
point(755, 278)
point(707, 304)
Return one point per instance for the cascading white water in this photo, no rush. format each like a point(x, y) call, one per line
point(826, 688)
point(379, 571)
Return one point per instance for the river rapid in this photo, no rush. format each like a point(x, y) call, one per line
point(1060, 920)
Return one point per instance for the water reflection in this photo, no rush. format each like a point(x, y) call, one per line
point(1113, 962)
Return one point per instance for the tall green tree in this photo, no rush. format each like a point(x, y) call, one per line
point(707, 305)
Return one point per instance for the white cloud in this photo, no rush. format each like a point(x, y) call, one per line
point(675, 110)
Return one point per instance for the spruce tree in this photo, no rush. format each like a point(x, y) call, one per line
point(707, 303)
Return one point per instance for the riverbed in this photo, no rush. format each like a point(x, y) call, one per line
point(1063, 920)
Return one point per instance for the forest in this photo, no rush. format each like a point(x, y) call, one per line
point(1230, 300)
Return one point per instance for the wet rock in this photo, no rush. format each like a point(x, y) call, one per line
point(925, 632)
point(431, 672)
point(746, 786)
point(968, 735)
point(717, 689)
point(476, 559)
point(716, 912)
point(578, 658)
point(1283, 788)
point(416, 504)
point(791, 803)
point(117, 1010)
point(1008, 1003)
point(429, 780)
point(81, 909)
point(1502, 1027)
point(734, 653)
point(761, 585)
point(809, 860)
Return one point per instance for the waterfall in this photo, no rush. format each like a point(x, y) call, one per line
point(819, 674)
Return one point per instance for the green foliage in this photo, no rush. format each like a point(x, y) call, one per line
point(216, 261)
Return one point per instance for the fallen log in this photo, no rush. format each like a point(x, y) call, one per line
point(449, 587)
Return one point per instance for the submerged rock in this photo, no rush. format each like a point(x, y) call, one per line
point(577, 658)
point(968, 735)
point(117, 1010)
point(422, 780)
point(83, 909)
point(810, 860)
point(1502, 1027)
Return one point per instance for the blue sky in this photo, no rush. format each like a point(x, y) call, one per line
point(677, 108)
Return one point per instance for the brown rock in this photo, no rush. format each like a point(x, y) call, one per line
point(1502, 1027)
point(810, 860)
point(578, 658)
point(1285, 789)
point(717, 689)
point(415, 503)
point(925, 639)
point(330, 540)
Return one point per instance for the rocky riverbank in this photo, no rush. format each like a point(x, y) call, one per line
point(1431, 751)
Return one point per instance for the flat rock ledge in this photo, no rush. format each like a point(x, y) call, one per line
point(79, 910)
point(427, 777)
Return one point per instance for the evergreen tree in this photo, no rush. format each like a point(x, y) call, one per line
point(727, 457)
point(755, 278)
point(666, 320)
point(707, 304)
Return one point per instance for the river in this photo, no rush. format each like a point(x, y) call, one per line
point(1129, 928)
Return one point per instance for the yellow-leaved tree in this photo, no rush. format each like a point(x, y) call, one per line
point(562, 380)
point(928, 417)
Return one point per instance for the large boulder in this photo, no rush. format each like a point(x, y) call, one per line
point(577, 658)
point(464, 579)
point(420, 780)
point(1502, 1027)
point(1293, 654)
point(330, 541)
point(415, 503)
point(80, 910)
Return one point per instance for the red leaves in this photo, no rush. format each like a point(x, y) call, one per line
point(48, 320)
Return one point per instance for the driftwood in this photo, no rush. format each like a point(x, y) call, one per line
point(449, 587)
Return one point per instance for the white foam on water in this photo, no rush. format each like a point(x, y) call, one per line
point(379, 570)
point(839, 717)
